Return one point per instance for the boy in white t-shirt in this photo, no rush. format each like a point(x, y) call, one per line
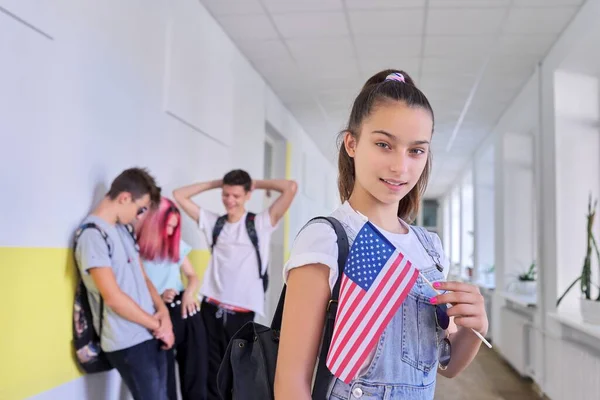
point(235, 281)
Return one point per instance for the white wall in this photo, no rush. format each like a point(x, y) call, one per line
point(455, 226)
point(96, 99)
point(483, 177)
point(518, 201)
point(467, 223)
point(89, 89)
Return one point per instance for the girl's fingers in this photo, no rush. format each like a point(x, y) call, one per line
point(457, 298)
point(456, 287)
point(470, 322)
point(464, 310)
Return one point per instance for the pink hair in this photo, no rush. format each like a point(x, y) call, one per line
point(154, 242)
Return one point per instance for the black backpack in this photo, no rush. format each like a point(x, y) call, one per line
point(86, 341)
point(251, 229)
point(247, 371)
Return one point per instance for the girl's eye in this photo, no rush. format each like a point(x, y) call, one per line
point(383, 145)
point(418, 151)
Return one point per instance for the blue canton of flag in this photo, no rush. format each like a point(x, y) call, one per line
point(367, 257)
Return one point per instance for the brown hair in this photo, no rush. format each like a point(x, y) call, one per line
point(238, 177)
point(138, 182)
point(378, 90)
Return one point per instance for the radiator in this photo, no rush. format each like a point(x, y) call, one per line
point(573, 372)
point(515, 348)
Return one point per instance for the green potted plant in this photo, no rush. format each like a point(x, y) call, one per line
point(488, 275)
point(590, 308)
point(526, 281)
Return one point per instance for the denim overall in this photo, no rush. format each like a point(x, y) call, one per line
point(404, 365)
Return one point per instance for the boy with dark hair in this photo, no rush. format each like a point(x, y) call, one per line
point(131, 319)
point(236, 280)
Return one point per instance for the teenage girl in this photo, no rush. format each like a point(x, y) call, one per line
point(164, 255)
point(384, 164)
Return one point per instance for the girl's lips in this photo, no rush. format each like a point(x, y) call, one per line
point(393, 184)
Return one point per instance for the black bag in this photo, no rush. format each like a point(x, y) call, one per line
point(248, 367)
point(251, 229)
point(88, 352)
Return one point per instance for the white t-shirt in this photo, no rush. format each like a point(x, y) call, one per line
point(232, 274)
point(317, 244)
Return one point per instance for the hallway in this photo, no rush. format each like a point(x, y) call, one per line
point(488, 378)
point(193, 89)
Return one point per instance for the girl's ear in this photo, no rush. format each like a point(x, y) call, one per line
point(350, 144)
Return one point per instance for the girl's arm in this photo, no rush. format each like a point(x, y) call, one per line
point(189, 304)
point(307, 295)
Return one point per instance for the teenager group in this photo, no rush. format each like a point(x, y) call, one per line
point(157, 317)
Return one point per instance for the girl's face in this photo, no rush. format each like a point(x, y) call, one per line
point(172, 223)
point(391, 151)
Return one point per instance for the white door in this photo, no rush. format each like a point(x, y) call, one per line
point(274, 168)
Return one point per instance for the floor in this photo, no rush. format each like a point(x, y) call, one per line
point(487, 378)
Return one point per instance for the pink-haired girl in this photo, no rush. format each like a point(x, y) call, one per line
point(165, 257)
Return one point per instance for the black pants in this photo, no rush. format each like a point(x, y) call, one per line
point(191, 352)
point(143, 369)
point(221, 325)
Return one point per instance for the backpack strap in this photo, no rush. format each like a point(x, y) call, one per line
point(251, 229)
point(217, 230)
point(131, 231)
point(252, 234)
point(78, 233)
point(425, 239)
point(324, 375)
point(343, 249)
point(91, 225)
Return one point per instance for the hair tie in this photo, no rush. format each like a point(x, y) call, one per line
point(395, 76)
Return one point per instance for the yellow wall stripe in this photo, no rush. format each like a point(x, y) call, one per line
point(37, 300)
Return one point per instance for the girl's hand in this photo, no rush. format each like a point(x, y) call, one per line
point(468, 308)
point(168, 295)
point(189, 305)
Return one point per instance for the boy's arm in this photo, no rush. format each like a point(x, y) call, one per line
point(162, 313)
point(287, 188)
point(94, 259)
point(118, 301)
point(183, 196)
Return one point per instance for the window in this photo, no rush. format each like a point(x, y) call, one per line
point(430, 213)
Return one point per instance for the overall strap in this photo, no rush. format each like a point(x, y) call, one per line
point(425, 239)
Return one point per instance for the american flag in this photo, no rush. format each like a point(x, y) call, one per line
point(376, 280)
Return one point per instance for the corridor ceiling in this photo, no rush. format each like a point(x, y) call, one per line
point(470, 57)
